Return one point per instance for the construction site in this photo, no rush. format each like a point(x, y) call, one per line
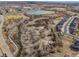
point(39, 29)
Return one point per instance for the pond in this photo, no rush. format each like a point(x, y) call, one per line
point(38, 12)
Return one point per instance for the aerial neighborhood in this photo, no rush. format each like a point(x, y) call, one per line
point(39, 29)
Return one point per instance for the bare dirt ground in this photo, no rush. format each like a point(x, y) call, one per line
point(66, 48)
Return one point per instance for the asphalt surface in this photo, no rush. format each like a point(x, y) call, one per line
point(67, 25)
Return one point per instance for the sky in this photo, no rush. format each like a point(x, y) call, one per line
point(39, 0)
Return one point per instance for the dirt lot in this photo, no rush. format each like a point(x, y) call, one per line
point(66, 48)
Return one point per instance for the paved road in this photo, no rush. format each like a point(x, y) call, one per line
point(4, 47)
point(65, 28)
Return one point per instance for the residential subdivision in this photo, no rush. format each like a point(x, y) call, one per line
point(39, 29)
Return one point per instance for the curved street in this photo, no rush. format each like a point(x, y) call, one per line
point(4, 45)
point(65, 28)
